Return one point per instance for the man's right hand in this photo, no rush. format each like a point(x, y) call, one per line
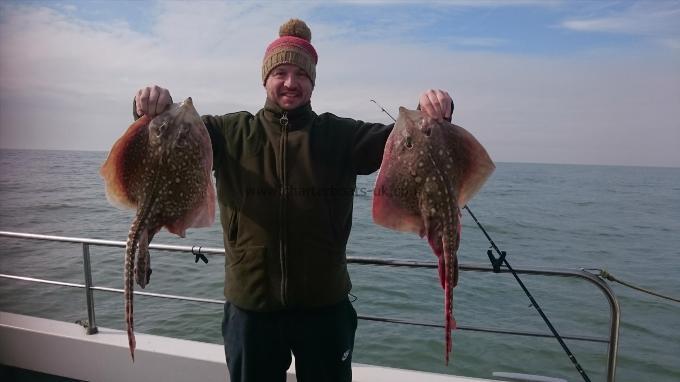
point(152, 100)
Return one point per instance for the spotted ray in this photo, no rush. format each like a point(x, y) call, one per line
point(429, 171)
point(161, 167)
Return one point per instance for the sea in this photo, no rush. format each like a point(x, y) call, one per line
point(625, 220)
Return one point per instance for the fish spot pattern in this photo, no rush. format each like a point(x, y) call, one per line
point(423, 185)
point(162, 168)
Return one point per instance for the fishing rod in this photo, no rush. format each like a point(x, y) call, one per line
point(496, 263)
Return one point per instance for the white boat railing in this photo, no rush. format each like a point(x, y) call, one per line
point(614, 311)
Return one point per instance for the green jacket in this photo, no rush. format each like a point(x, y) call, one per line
point(285, 188)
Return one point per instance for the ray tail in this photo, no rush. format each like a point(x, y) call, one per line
point(137, 263)
point(130, 249)
point(446, 248)
point(142, 269)
point(450, 241)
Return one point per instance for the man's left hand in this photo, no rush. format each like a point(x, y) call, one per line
point(437, 104)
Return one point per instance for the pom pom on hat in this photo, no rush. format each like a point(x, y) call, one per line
point(292, 47)
point(297, 28)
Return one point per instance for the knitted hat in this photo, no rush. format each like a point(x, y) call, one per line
point(292, 47)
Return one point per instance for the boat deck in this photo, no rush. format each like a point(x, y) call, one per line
point(64, 350)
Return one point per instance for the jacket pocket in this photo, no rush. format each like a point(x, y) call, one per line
point(339, 220)
point(232, 230)
point(247, 281)
point(251, 257)
point(332, 222)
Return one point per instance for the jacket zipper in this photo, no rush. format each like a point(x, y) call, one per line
point(283, 202)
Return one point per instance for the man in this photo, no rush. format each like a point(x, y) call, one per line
point(285, 180)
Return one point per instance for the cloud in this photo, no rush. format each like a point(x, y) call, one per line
point(68, 83)
point(659, 18)
point(656, 21)
point(460, 3)
point(483, 42)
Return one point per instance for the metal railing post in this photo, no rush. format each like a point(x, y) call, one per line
point(89, 295)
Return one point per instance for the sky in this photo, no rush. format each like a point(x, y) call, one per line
point(576, 82)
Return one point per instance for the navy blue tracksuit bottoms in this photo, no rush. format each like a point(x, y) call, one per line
point(258, 345)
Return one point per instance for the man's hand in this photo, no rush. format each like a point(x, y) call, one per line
point(152, 100)
point(436, 104)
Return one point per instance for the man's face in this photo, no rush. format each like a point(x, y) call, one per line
point(288, 86)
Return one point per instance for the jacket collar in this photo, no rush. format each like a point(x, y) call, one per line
point(296, 117)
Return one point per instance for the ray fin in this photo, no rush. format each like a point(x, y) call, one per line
point(127, 152)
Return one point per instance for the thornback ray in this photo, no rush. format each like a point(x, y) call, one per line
point(429, 171)
point(160, 167)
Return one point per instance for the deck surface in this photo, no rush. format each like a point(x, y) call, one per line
point(64, 352)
